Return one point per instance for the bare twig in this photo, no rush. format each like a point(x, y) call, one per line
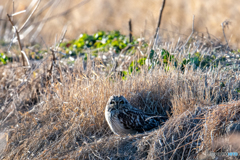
point(25, 57)
point(30, 16)
point(209, 37)
point(50, 71)
point(190, 34)
point(130, 30)
point(9, 17)
point(160, 17)
point(63, 35)
point(225, 24)
point(61, 14)
point(145, 28)
point(44, 8)
point(17, 13)
point(13, 8)
point(7, 117)
point(19, 42)
point(41, 25)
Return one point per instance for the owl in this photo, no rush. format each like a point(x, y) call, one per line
point(123, 119)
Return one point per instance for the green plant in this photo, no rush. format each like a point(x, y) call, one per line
point(238, 90)
point(3, 58)
point(100, 41)
point(136, 65)
point(201, 61)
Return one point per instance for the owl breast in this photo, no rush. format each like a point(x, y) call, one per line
point(116, 124)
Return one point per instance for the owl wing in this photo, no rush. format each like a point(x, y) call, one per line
point(137, 120)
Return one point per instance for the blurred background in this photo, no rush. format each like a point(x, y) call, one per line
point(90, 16)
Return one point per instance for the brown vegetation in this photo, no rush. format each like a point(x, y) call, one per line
point(56, 111)
point(64, 118)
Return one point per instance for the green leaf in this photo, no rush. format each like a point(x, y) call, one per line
point(222, 84)
point(142, 61)
point(3, 58)
point(151, 54)
point(238, 90)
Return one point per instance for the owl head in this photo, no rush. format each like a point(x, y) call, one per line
point(117, 103)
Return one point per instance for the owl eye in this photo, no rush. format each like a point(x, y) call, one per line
point(121, 102)
point(112, 102)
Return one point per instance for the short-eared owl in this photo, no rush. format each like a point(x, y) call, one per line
point(124, 119)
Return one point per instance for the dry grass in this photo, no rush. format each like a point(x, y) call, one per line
point(65, 118)
point(60, 113)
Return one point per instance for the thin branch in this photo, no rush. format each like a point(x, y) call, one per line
point(41, 25)
point(25, 56)
point(225, 24)
point(190, 34)
point(7, 117)
point(50, 71)
point(61, 14)
point(43, 9)
point(209, 37)
point(13, 8)
point(130, 30)
point(63, 35)
point(18, 37)
point(160, 17)
point(30, 16)
point(20, 12)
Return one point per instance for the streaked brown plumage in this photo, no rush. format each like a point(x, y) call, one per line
point(123, 119)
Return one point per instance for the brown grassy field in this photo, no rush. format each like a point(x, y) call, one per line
point(64, 119)
point(54, 110)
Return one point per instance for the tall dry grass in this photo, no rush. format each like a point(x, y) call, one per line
point(64, 118)
point(59, 112)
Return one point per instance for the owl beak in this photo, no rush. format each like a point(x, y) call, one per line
point(111, 109)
